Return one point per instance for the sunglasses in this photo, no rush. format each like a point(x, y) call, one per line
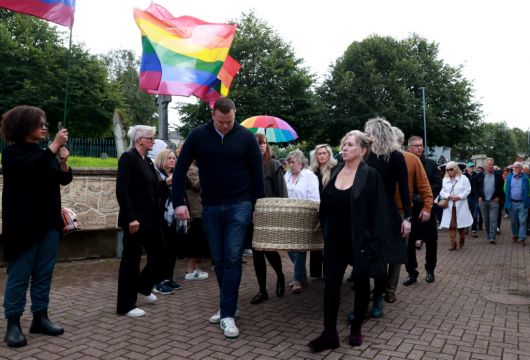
point(44, 125)
point(450, 169)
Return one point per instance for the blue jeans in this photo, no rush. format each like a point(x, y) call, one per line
point(225, 227)
point(518, 215)
point(37, 264)
point(299, 260)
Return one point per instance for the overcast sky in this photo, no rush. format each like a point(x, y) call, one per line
point(489, 38)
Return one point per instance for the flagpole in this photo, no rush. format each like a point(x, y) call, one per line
point(65, 110)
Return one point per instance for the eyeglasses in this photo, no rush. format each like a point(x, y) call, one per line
point(44, 125)
point(416, 146)
point(147, 138)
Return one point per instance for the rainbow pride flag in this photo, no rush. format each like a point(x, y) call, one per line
point(183, 56)
point(222, 84)
point(57, 11)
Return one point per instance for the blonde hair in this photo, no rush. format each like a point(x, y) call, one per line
point(361, 139)
point(452, 165)
point(328, 166)
point(160, 159)
point(384, 140)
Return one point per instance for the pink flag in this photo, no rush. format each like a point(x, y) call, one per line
point(57, 11)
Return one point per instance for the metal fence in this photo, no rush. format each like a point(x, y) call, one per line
point(85, 147)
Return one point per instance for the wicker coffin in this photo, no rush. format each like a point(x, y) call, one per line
point(286, 224)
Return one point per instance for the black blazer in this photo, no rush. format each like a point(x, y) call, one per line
point(369, 221)
point(31, 198)
point(499, 186)
point(137, 190)
point(434, 175)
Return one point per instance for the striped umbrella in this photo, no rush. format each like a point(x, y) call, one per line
point(275, 129)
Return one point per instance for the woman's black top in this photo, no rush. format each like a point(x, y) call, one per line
point(31, 198)
point(337, 204)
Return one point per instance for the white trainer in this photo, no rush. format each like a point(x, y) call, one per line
point(201, 271)
point(216, 318)
point(136, 312)
point(196, 275)
point(151, 298)
point(230, 330)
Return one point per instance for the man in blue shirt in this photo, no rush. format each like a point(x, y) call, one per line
point(231, 178)
point(518, 202)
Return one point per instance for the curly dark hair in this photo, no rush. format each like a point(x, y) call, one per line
point(20, 121)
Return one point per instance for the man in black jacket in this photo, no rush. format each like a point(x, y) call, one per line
point(424, 231)
point(231, 177)
point(489, 191)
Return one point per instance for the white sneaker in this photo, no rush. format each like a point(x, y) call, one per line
point(195, 275)
point(136, 312)
point(201, 271)
point(151, 298)
point(247, 252)
point(230, 330)
point(216, 318)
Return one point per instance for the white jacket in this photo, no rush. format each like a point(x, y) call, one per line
point(462, 188)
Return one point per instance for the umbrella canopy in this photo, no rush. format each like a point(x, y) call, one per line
point(275, 129)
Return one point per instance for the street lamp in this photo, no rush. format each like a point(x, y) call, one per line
point(424, 120)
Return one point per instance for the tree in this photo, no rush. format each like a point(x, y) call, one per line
point(33, 69)
point(136, 107)
point(271, 81)
point(381, 76)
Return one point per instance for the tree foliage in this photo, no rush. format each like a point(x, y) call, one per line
point(33, 71)
point(136, 107)
point(382, 76)
point(271, 81)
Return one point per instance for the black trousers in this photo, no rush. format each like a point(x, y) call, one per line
point(315, 264)
point(260, 267)
point(335, 268)
point(428, 233)
point(131, 280)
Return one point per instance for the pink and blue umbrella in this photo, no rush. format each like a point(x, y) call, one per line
point(275, 129)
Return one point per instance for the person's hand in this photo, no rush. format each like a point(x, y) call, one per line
point(405, 228)
point(63, 154)
point(169, 179)
point(182, 213)
point(60, 139)
point(454, 197)
point(134, 226)
point(424, 216)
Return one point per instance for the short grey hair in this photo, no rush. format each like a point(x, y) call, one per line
point(299, 156)
point(138, 131)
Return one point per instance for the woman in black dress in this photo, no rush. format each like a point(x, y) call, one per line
point(274, 187)
point(354, 226)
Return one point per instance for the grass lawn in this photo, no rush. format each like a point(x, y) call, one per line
point(90, 162)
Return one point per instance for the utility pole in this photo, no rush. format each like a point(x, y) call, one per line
point(424, 120)
point(163, 102)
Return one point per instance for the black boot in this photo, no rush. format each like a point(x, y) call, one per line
point(14, 336)
point(42, 325)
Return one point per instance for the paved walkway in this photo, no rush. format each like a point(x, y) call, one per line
point(453, 318)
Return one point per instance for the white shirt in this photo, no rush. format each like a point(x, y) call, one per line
point(304, 187)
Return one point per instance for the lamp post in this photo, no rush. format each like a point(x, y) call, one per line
point(424, 119)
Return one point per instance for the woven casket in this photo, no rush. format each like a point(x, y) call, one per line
point(286, 224)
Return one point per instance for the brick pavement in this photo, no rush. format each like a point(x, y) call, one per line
point(449, 319)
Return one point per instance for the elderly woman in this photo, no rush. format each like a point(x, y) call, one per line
point(387, 159)
point(137, 192)
point(354, 225)
point(31, 217)
point(301, 184)
point(322, 163)
point(455, 188)
point(274, 183)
